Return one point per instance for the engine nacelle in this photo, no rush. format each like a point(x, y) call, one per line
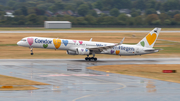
point(69, 52)
point(83, 51)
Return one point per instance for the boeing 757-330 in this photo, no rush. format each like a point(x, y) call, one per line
point(78, 47)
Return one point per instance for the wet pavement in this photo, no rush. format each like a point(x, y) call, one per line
point(71, 81)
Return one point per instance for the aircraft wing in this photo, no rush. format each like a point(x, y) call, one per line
point(105, 47)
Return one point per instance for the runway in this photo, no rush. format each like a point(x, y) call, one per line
point(71, 81)
point(87, 31)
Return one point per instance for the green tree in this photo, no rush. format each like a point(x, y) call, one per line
point(135, 12)
point(83, 9)
point(39, 11)
point(171, 5)
point(21, 22)
point(81, 21)
point(18, 12)
point(32, 19)
point(163, 17)
point(11, 3)
point(59, 5)
point(114, 12)
point(139, 4)
point(177, 17)
point(31, 11)
point(123, 17)
point(98, 5)
point(24, 10)
point(44, 6)
point(167, 22)
point(156, 22)
point(90, 19)
point(109, 20)
point(53, 8)
point(69, 18)
point(150, 19)
point(69, 7)
point(138, 20)
point(50, 1)
point(93, 13)
point(78, 3)
point(150, 11)
point(150, 4)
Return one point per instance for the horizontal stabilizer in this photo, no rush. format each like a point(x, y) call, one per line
point(152, 50)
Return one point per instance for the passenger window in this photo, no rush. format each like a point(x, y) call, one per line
point(23, 40)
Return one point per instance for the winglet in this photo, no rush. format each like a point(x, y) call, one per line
point(90, 39)
point(121, 41)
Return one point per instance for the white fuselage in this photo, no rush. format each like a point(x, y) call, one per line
point(72, 46)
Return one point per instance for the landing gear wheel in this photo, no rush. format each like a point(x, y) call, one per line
point(32, 51)
point(91, 58)
point(95, 59)
point(87, 59)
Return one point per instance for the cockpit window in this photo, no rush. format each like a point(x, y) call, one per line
point(23, 40)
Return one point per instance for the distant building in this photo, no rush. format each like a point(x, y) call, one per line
point(101, 12)
point(49, 13)
point(97, 11)
point(9, 13)
point(125, 11)
point(69, 12)
point(106, 12)
point(129, 15)
point(174, 11)
point(57, 24)
point(143, 12)
point(158, 12)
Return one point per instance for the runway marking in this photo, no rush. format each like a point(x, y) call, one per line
point(94, 83)
point(53, 75)
point(89, 95)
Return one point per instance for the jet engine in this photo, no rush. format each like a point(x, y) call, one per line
point(69, 52)
point(83, 51)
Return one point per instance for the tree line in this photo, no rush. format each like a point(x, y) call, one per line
point(143, 12)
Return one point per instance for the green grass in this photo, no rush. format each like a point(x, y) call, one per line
point(171, 50)
point(41, 28)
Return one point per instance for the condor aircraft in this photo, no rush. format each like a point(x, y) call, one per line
point(78, 47)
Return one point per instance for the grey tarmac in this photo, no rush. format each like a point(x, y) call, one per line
point(71, 81)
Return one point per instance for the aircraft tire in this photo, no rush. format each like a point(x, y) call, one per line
point(87, 59)
point(32, 53)
point(95, 59)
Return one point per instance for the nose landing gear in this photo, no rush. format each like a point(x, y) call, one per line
point(32, 51)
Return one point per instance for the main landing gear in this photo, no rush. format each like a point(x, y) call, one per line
point(90, 58)
point(32, 51)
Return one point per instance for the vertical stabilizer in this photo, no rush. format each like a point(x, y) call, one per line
point(150, 39)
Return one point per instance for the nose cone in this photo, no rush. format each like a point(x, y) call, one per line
point(18, 43)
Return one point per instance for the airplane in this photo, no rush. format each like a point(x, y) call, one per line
point(78, 47)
